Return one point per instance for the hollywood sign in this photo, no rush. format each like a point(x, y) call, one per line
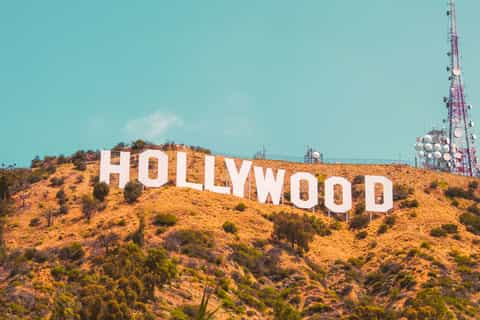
point(267, 183)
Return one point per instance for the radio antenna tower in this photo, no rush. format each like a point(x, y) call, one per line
point(460, 126)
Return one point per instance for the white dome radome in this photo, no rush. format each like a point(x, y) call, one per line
point(427, 138)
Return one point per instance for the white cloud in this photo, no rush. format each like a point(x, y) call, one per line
point(151, 127)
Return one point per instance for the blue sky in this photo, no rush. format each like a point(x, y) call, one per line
point(356, 79)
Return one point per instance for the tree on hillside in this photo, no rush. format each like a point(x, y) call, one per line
point(108, 240)
point(49, 215)
point(133, 190)
point(138, 237)
point(88, 206)
point(101, 190)
point(297, 230)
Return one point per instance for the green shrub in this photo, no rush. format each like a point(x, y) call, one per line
point(382, 229)
point(456, 192)
point(284, 311)
point(193, 243)
point(359, 222)
point(371, 312)
point(79, 164)
point(256, 261)
point(133, 190)
point(57, 182)
point(164, 219)
point(361, 235)
point(36, 255)
point(390, 220)
point(100, 191)
point(89, 206)
point(401, 192)
point(471, 222)
point(241, 207)
point(230, 227)
point(72, 252)
point(409, 204)
point(295, 229)
point(450, 228)
point(438, 232)
point(138, 237)
point(34, 222)
point(320, 228)
point(428, 304)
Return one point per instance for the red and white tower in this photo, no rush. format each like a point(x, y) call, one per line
point(461, 136)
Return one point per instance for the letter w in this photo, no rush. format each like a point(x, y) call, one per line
point(269, 185)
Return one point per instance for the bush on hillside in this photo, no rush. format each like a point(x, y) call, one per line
point(296, 230)
point(164, 219)
point(318, 225)
point(390, 220)
point(133, 190)
point(409, 204)
point(138, 237)
point(361, 235)
point(34, 222)
point(230, 227)
point(438, 232)
point(241, 207)
point(61, 197)
point(382, 229)
point(72, 252)
point(89, 206)
point(193, 243)
point(456, 192)
point(428, 304)
point(57, 181)
point(285, 311)
point(450, 228)
point(79, 165)
point(359, 222)
point(401, 191)
point(100, 191)
point(471, 222)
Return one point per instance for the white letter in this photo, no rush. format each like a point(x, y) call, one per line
point(269, 185)
point(370, 203)
point(182, 173)
point(238, 178)
point(143, 166)
point(312, 190)
point(330, 194)
point(210, 177)
point(107, 168)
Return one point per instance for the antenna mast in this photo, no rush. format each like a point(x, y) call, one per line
point(460, 126)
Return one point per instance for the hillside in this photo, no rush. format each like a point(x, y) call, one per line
point(393, 267)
